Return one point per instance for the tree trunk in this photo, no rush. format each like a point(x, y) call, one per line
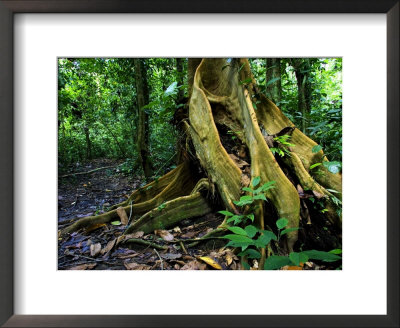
point(217, 167)
point(273, 80)
point(142, 141)
point(88, 143)
point(179, 78)
point(302, 70)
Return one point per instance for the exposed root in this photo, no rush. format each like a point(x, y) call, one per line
point(180, 183)
point(171, 213)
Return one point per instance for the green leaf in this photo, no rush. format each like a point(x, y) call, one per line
point(239, 238)
point(333, 167)
point(275, 262)
point(250, 253)
point(272, 81)
point(116, 223)
point(315, 165)
point(236, 219)
point(336, 251)
point(284, 232)
point(296, 258)
point(260, 196)
point(323, 256)
point(246, 266)
point(247, 189)
point(238, 244)
point(227, 213)
point(265, 238)
point(281, 223)
point(266, 186)
point(238, 231)
point(316, 149)
point(255, 181)
point(171, 89)
point(251, 231)
point(250, 216)
point(241, 67)
point(246, 81)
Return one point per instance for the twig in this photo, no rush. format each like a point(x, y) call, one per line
point(145, 242)
point(183, 247)
point(162, 267)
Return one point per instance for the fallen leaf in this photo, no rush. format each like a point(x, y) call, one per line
point(177, 229)
point(137, 234)
point(117, 223)
point(194, 265)
point(317, 194)
point(170, 256)
point(244, 180)
point(86, 266)
point(122, 215)
point(239, 163)
point(164, 234)
point(108, 190)
point(189, 234)
point(211, 262)
point(94, 227)
point(136, 266)
point(108, 247)
point(95, 249)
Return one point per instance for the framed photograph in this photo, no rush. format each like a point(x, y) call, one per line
point(79, 81)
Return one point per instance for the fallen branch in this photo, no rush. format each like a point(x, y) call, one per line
point(87, 172)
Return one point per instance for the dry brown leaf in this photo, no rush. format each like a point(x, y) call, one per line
point(177, 229)
point(122, 215)
point(239, 163)
point(164, 234)
point(136, 266)
point(137, 234)
point(189, 234)
point(317, 194)
point(194, 265)
point(108, 247)
point(244, 180)
point(86, 266)
point(95, 249)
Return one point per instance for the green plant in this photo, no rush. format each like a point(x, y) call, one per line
point(333, 167)
point(283, 145)
point(252, 239)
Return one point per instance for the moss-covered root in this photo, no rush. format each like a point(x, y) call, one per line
point(153, 188)
point(88, 221)
point(171, 213)
point(180, 182)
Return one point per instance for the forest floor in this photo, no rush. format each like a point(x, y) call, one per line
point(97, 247)
point(94, 248)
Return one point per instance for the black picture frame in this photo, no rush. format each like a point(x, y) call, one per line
point(10, 7)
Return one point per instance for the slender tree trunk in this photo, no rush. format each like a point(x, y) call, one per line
point(302, 71)
point(88, 143)
point(273, 80)
point(142, 141)
point(179, 79)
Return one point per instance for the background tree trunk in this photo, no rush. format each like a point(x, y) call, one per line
point(88, 143)
point(273, 80)
point(142, 141)
point(179, 71)
point(302, 71)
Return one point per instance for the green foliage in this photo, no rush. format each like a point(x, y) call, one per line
point(284, 144)
point(251, 239)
